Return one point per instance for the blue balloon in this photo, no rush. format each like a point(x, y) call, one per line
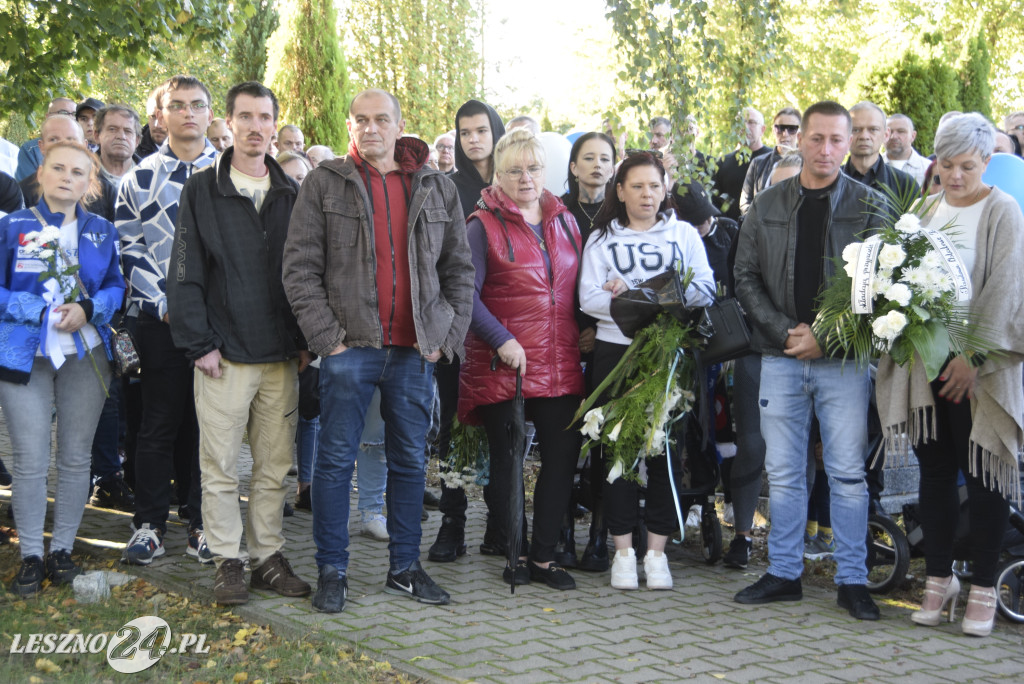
point(1006, 172)
point(571, 137)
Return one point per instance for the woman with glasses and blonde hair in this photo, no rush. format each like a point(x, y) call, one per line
point(48, 325)
point(526, 249)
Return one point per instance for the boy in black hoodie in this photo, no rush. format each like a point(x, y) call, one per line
point(478, 128)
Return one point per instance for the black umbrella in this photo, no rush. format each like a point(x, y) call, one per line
point(517, 494)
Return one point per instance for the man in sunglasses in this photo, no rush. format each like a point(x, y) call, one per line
point(785, 126)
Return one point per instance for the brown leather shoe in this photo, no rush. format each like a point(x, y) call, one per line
point(275, 573)
point(229, 585)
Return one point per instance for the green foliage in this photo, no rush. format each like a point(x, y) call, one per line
point(308, 73)
point(422, 51)
point(974, 68)
point(46, 45)
point(667, 48)
point(249, 52)
point(922, 88)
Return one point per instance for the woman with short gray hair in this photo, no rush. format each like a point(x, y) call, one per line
point(980, 437)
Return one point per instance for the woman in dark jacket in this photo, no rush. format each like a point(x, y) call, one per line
point(526, 249)
point(54, 352)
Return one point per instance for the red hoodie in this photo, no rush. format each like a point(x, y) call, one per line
point(390, 195)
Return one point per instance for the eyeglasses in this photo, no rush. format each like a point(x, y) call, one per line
point(198, 106)
point(63, 112)
point(515, 174)
point(445, 148)
point(633, 151)
point(786, 128)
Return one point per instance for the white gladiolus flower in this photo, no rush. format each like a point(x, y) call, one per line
point(898, 293)
point(891, 256)
point(49, 234)
point(592, 422)
point(614, 434)
point(908, 223)
point(30, 236)
point(615, 472)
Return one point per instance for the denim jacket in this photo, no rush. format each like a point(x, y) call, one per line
point(21, 292)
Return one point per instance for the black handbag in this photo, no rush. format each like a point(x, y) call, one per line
point(725, 328)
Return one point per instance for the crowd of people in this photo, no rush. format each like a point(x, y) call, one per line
point(345, 308)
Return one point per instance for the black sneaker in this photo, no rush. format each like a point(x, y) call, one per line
point(5, 476)
point(450, 542)
point(769, 589)
point(554, 576)
point(416, 583)
point(113, 492)
point(738, 555)
point(288, 510)
point(856, 599)
point(60, 569)
point(331, 590)
point(29, 579)
point(304, 500)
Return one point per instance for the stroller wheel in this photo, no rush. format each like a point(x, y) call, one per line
point(710, 533)
point(1010, 591)
point(888, 554)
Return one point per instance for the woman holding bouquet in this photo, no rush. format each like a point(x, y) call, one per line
point(637, 236)
point(526, 250)
point(48, 326)
point(972, 413)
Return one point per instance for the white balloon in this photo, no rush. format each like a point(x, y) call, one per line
point(556, 169)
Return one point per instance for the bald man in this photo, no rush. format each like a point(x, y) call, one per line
point(29, 156)
point(55, 129)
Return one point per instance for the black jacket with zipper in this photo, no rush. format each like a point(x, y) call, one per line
point(224, 286)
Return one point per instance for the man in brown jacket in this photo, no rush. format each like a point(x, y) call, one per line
point(377, 269)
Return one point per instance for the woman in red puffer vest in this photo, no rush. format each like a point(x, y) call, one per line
point(526, 250)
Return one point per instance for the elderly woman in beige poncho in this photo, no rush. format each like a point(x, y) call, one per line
point(969, 419)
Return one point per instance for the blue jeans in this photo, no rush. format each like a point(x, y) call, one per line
point(372, 462)
point(347, 383)
point(791, 393)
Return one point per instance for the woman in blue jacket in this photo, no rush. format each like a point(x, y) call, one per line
point(53, 352)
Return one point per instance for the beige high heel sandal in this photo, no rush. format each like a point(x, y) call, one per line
point(980, 597)
point(949, 591)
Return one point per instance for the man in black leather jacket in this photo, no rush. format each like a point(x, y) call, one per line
point(784, 259)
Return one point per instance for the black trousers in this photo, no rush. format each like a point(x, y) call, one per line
point(559, 450)
point(939, 461)
point(453, 501)
point(621, 502)
point(169, 429)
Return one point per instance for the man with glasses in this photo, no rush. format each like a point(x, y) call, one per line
point(378, 272)
point(1014, 125)
point(445, 146)
point(785, 125)
point(146, 211)
point(899, 148)
point(732, 169)
point(29, 156)
point(866, 164)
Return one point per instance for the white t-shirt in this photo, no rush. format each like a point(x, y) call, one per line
point(91, 337)
point(965, 222)
point(252, 187)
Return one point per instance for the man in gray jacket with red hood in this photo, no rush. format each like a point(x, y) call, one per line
point(378, 272)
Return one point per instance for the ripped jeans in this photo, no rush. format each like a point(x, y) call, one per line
point(792, 393)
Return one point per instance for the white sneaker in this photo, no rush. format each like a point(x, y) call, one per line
point(624, 570)
point(376, 527)
point(693, 518)
point(656, 570)
point(728, 515)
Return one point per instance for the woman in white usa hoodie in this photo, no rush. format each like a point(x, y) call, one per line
point(637, 236)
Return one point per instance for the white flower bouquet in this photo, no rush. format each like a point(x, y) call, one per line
point(650, 387)
point(902, 291)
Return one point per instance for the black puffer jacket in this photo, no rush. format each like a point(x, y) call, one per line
point(224, 286)
point(766, 255)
